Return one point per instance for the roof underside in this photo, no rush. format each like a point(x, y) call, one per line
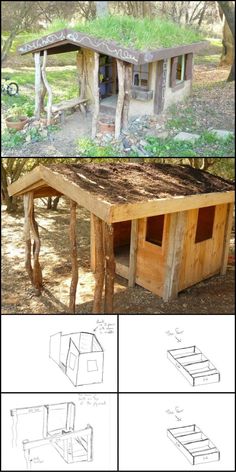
point(69, 40)
point(119, 192)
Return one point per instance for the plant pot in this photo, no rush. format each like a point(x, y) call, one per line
point(106, 127)
point(17, 125)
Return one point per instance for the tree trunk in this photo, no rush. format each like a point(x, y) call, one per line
point(127, 98)
point(110, 268)
point(96, 95)
point(10, 201)
point(229, 12)
point(227, 57)
point(121, 97)
point(99, 264)
point(231, 77)
point(74, 256)
point(101, 9)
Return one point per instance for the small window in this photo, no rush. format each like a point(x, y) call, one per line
point(205, 224)
point(92, 366)
point(180, 69)
point(155, 230)
point(140, 75)
point(72, 361)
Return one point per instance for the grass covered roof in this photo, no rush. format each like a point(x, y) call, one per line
point(140, 33)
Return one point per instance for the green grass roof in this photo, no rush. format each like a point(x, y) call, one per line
point(139, 33)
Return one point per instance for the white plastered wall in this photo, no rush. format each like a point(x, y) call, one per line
point(174, 96)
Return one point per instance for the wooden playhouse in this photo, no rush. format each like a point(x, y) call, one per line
point(161, 226)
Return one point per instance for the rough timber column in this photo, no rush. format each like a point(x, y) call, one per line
point(37, 85)
point(31, 226)
point(110, 267)
point(227, 236)
point(121, 97)
point(96, 95)
point(74, 256)
point(175, 248)
point(128, 85)
point(99, 262)
point(48, 87)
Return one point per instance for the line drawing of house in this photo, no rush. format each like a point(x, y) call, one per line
point(52, 425)
point(79, 355)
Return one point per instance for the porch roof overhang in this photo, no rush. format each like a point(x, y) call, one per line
point(68, 40)
point(86, 188)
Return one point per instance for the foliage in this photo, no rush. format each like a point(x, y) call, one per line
point(87, 148)
point(140, 33)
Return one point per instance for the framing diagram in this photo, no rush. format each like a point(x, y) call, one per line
point(79, 355)
point(57, 426)
point(194, 365)
point(194, 444)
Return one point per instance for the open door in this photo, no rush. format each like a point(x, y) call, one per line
point(72, 362)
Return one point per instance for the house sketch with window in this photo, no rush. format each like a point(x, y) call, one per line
point(79, 355)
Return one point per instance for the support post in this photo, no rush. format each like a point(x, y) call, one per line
point(74, 256)
point(27, 237)
point(110, 267)
point(177, 233)
point(121, 97)
point(48, 87)
point(128, 84)
point(99, 263)
point(90, 443)
point(227, 236)
point(37, 85)
point(133, 253)
point(31, 225)
point(14, 427)
point(96, 95)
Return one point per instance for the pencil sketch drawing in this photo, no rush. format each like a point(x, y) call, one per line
point(79, 355)
point(194, 444)
point(51, 425)
point(195, 367)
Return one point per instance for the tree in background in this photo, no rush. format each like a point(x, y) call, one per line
point(101, 9)
point(228, 9)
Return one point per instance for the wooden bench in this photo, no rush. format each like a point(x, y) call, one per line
point(61, 107)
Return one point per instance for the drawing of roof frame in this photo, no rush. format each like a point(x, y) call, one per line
point(195, 367)
point(79, 355)
point(194, 444)
point(52, 425)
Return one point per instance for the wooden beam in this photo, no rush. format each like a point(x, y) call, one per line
point(133, 253)
point(189, 66)
point(227, 236)
point(128, 68)
point(96, 95)
point(121, 97)
point(161, 206)
point(37, 85)
point(110, 267)
point(48, 87)
point(177, 232)
point(159, 99)
point(99, 262)
point(74, 256)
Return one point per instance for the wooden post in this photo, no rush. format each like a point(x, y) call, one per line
point(49, 90)
point(159, 99)
point(28, 265)
point(14, 427)
point(99, 262)
point(175, 249)
point(227, 236)
point(127, 97)
point(90, 443)
point(110, 267)
point(37, 85)
point(74, 256)
point(121, 97)
point(96, 95)
point(133, 253)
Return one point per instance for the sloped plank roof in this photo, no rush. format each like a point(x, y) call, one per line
point(69, 40)
point(122, 191)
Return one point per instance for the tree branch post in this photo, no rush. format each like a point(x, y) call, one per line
point(74, 256)
point(96, 95)
point(121, 97)
point(110, 267)
point(99, 263)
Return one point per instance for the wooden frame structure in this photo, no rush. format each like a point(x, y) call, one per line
point(165, 270)
point(125, 58)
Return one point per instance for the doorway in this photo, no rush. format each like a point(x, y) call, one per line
point(108, 80)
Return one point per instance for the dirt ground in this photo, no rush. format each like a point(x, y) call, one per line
point(214, 296)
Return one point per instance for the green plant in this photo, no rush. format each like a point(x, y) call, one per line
point(11, 139)
point(87, 148)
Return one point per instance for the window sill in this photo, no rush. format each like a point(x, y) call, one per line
point(178, 87)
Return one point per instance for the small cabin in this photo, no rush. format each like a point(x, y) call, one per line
point(114, 79)
point(160, 226)
point(79, 355)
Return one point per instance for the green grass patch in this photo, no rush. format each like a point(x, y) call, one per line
point(87, 148)
point(207, 146)
point(140, 33)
